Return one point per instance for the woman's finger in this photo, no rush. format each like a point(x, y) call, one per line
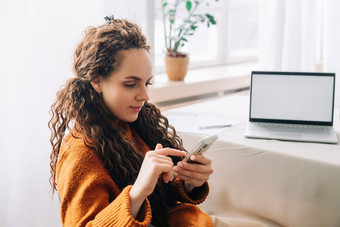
point(158, 146)
point(157, 156)
point(205, 169)
point(201, 159)
point(167, 172)
point(191, 174)
point(161, 159)
point(170, 151)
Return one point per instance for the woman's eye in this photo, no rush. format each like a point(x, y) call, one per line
point(130, 85)
point(147, 84)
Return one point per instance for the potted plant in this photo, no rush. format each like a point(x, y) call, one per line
point(176, 33)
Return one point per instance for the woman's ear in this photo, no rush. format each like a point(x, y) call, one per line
point(97, 84)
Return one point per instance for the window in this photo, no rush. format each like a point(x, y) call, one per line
point(234, 39)
point(242, 30)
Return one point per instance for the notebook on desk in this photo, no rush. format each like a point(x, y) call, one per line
point(292, 106)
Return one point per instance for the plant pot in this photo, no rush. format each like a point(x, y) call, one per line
point(176, 66)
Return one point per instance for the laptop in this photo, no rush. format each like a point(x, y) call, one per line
point(294, 106)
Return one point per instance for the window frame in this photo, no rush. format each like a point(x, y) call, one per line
point(221, 58)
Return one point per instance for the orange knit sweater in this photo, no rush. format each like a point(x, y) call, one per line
point(90, 197)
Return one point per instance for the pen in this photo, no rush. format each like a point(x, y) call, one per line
point(213, 126)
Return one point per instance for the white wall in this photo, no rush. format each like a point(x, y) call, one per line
point(37, 41)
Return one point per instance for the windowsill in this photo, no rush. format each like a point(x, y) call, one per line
point(200, 84)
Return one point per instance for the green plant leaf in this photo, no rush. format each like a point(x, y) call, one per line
point(188, 4)
point(193, 27)
point(211, 18)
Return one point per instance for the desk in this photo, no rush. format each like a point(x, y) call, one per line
point(260, 182)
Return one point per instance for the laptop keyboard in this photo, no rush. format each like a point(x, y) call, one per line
point(291, 129)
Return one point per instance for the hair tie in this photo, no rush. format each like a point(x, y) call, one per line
point(109, 18)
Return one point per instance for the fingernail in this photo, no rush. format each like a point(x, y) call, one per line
point(180, 164)
point(193, 157)
point(176, 174)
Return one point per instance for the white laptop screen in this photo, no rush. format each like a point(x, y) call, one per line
point(292, 97)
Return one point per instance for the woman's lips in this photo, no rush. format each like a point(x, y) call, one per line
point(136, 108)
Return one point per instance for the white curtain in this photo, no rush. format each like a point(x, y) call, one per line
point(290, 34)
point(37, 41)
point(287, 33)
point(331, 42)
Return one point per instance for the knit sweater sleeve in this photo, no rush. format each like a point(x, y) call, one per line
point(197, 196)
point(86, 189)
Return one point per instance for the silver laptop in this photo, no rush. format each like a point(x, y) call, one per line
point(292, 106)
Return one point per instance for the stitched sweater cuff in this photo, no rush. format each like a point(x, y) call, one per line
point(118, 212)
point(197, 196)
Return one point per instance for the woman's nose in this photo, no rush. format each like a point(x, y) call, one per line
point(144, 94)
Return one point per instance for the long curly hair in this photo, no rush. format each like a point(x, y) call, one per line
point(79, 105)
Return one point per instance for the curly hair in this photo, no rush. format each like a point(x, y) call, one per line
point(78, 105)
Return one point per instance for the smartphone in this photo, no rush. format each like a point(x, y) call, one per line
point(202, 146)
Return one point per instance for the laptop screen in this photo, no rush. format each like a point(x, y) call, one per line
point(292, 97)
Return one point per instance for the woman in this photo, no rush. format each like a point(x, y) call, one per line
point(105, 169)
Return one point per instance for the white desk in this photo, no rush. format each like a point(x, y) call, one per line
point(267, 182)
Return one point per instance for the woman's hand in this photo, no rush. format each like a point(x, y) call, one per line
point(155, 163)
point(194, 174)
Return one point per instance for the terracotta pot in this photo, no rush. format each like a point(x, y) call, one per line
point(176, 66)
